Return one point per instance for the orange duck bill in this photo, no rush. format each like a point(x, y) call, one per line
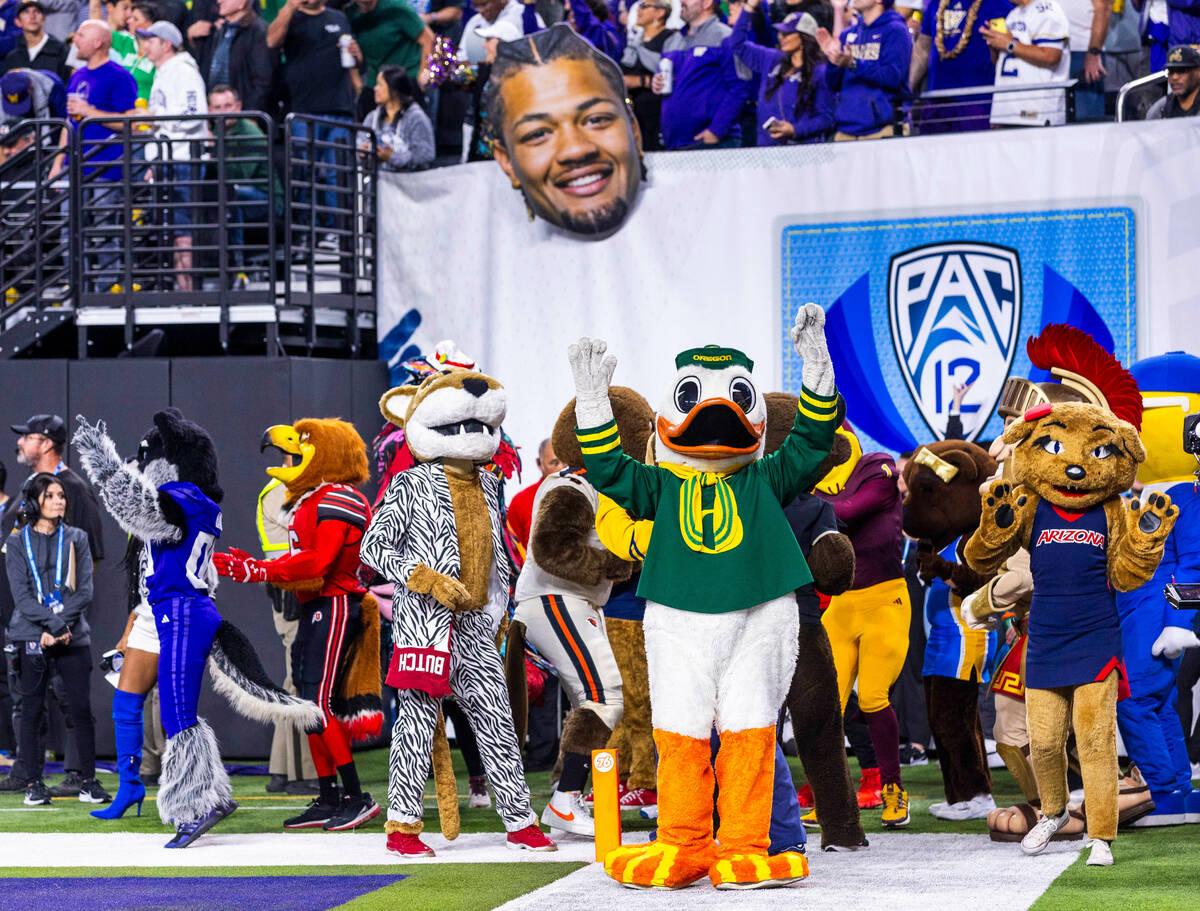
point(714, 429)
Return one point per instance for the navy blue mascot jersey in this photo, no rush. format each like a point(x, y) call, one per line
point(1074, 631)
point(178, 570)
point(952, 649)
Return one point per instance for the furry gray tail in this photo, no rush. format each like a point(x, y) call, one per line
point(193, 779)
point(238, 675)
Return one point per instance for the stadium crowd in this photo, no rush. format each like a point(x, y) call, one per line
point(699, 73)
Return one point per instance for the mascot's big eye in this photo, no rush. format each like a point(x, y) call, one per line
point(1051, 445)
point(1103, 451)
point(687, 394)
point(741, 392)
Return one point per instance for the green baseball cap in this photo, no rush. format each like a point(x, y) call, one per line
point(714, 357)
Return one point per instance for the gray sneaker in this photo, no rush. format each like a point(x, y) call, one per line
point(1039, 836)
point(70, 786)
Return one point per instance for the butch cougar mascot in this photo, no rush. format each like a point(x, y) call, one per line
point(438, 538)
point(167, 500)
point(335, 654)
point(719, 575)
point(1071, 463)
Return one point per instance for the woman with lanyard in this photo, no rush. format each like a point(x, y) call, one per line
point(49, 569)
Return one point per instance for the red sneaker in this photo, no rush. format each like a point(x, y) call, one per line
point(870, 790)
point(408, 845)
point(636, 798)
point(590, 798)
point(804, 797)
point(530, 838)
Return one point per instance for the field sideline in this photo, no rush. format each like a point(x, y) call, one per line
point(1157, 868)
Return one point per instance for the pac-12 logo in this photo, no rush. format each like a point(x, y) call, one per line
point(955, 310)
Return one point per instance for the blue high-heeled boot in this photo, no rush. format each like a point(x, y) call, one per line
point(127, 720)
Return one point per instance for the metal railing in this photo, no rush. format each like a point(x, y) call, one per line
point(195, 218)
point(969, 108)
point(1135, 92)
point(330, 180)
point(34, 232)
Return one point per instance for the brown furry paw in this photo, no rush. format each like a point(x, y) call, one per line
point(1155, 519)
point(616, 569)
point(1001, 505)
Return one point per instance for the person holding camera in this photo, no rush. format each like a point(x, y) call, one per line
point(49, 565)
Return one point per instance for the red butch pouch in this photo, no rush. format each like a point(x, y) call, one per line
point(426, 669)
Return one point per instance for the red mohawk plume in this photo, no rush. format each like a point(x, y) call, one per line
point(1077, 360)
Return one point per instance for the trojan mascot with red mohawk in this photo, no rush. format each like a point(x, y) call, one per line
point(335, 658)
point(1071, 463)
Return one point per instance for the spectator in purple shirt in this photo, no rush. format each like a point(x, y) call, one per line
point(794, 100)
point(710, 87)
point(596, 25)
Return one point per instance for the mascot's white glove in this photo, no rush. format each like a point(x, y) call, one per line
point(808, 337)
point(593, 373)
point(1172, 641)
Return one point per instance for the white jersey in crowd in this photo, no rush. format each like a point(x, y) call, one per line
point(1042, 23)
point(178, 88)
point(1079, 19)
point(471, 47)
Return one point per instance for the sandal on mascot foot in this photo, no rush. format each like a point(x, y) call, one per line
point(659, 866)
point(1133, 798)
point(1011, 824)
point(758, 871)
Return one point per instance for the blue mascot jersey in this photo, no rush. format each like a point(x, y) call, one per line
point(1074, 631)
point(952, 649)
point(1145, 611)
point(178, 570)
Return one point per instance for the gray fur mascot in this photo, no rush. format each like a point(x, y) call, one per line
point(167, 500)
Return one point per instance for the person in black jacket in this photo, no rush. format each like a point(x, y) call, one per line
point(236, 52)
point(37, 50)
point(49, 568)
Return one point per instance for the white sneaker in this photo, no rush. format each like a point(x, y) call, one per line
point(567, 812)
point(1101, 854)
point(960, 810)
point(650, 812)
point(1039, 836)
point(981, 805)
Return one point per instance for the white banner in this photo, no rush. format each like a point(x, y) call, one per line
point(1094, 225)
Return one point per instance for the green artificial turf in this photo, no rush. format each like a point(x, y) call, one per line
point(1156, 869)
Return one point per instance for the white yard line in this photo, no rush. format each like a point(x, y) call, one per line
point(897, 873)
point(299, 849)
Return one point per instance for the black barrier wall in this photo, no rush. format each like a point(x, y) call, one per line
point(235, 399)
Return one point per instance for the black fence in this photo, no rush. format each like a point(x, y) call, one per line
point(964, 109)
point(222, 220)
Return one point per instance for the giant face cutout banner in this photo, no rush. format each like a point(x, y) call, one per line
point(564, 133)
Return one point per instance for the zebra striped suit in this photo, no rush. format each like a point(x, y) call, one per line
point(415, 525)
